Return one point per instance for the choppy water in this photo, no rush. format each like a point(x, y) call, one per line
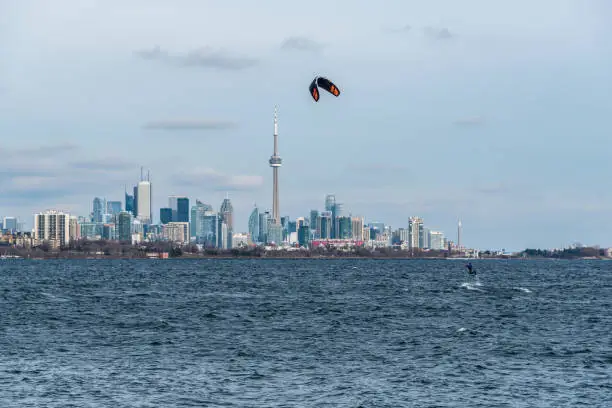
point(305, 333)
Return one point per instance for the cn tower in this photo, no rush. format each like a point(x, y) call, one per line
point(275, 162)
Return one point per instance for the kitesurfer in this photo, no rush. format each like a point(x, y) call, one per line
point(470, 268)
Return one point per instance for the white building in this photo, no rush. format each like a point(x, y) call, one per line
point(437, 240)
point(176, 232)
point(357, 228)
point(53, 227)
point(75, 229)
point(144, 197)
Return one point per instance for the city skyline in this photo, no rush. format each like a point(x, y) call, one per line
point(132, 220)
point(465, 111)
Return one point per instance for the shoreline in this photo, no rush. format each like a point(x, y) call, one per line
point(288, 257)
point(166, 251)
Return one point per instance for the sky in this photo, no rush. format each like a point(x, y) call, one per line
point(495, 113)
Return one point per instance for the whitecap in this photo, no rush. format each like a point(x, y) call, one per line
point(522, 289)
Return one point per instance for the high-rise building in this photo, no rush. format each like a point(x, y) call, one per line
point(330, 201)
point(210, 234)
point(135, 209)
point(99, 209)
point(357, 228)
point(254, 225)
point(275, 162)
point(113, 207)
point(344, 227)
point(459, 235)
point(124, 226)
point(415, 230)
point(144, 200)
point(223, 236)
point(129, 203)
point(227, 212)
point(437, 240)
point(91, 230)
point(182, 210)
point(336, 214)
point(227, 216)
point(426, 238)
point(165, 215)
point(10, 224)
point(264, 222)
point(172, 204)
point(303, 235)
point(198, 212)
point(176, 232)
point(53, 227)
point(299, 221)
point(74, 228)
point(403, 235)
point(285, 227)
point(275, 233)
point(326, 225)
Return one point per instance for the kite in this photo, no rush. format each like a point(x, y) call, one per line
point(324, 83)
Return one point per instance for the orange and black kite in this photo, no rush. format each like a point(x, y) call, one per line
point(325, 84)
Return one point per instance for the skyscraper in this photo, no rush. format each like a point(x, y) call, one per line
point(165, 215)
point(124, 226)
point(254, 225)
point(182, 209)
point(198, 211)
point(415, 230)
point(227, 217)
point(135, 202)
point(275, 162)
point(173, 205)
point(459, 235)
point(10, 224)
point(99, 209)
point(357, 228)
point(129, 203)
point(143, 200)
point(113, 207)
point(330, 201)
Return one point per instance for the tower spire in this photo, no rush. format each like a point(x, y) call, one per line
point(459, 234)
point(275, 162)
point(276, 123)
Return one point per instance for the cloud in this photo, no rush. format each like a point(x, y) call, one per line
point(470, 121)
point(207, 177)
point(190, 124)
point(50, 185)
point(39, 151)
point(104, 164)
point(205, 57)
point(438, 33)
point(26, 180)
point(301, 44)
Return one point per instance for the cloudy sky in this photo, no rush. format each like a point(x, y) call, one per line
point(496, 113)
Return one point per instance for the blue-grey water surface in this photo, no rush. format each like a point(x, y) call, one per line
point(305, 333)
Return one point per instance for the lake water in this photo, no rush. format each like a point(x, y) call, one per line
point(305, 333)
